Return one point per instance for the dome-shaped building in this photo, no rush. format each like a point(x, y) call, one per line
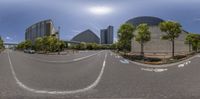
point(86, 36)
point(151, 21)
point(156, 45)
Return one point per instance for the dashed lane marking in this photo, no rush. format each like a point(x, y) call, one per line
point(124, 61)
point(184, 64)
point(181, 65)
point(154, 69)
point(117, 56)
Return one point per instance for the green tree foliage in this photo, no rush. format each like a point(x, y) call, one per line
point(1, 43)
point(50, 44)
point(125, 35)
point(172, 30)
point(92, 46)
point(88, 46)
point(194, 40)
point(113, 46)
point(25, 45)
point(62, 45)
point(45, 44)
point(143, 35)
point(81, 46)
point(39, 44)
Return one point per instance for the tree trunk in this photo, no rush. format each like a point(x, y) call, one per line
point(142, 49)
point(172, 48)
point(190, 47)
point(196, 49)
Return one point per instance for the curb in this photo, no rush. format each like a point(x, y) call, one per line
point(164, 65)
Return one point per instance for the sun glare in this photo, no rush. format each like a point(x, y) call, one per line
point(101, 10)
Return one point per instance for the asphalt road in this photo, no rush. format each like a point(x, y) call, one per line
point(94, 74)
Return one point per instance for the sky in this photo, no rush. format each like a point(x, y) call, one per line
point(75, 16)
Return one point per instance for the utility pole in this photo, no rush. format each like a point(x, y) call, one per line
point(59, 39)
point(59, 32)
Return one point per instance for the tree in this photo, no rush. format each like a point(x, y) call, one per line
point(49, 44)
point(113, 46)
point(194, 40)
point(62, 45)
point(39, 44)
point(143, 35)
point(125, 35)
point(45, 44)
point(81, 46)
point(25, 45)
point(89, 46)
point(172, 30)
point(1, 43)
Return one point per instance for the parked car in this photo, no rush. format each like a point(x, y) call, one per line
point(25, 51)
point(29, 51)
point(32, 51)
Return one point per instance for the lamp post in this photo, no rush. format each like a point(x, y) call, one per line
point(58, 33)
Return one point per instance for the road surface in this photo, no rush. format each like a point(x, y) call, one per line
point(94, 74)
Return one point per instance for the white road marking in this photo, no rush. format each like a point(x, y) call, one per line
point(147, 69)
point(74, 60)
point(94, 84)
point(188, 62)
point(124, 61)
point(181, 65)
point(78, 59)
point(154, 69)
point(83, 51)
point(117, 56)
point(160, 70)
point(164, 65)
point(184, 64)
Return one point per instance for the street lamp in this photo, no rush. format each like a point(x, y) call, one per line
point(58, 32)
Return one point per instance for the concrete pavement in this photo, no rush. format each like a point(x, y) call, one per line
point(103, 75)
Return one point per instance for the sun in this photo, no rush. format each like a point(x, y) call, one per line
point(100, 10)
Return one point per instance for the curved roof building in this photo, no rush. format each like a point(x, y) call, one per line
point(156, 45)
point(151, 21)
point(86, 36)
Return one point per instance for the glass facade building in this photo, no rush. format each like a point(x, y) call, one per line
point(107, 35)
point(40, 29)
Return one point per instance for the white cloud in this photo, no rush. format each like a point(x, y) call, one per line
point(8, 38)
point(100, 10)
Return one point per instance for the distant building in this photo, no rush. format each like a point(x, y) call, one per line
point(107, 35)
point(40, 29)
point(86, 36)
point(156, 45)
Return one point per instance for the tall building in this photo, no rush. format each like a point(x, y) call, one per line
point(86, 36)
point(107, 35)
point(156, 45)
point(40, 29)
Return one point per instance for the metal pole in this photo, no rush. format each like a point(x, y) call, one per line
point(59, 32)
point(59, 39)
